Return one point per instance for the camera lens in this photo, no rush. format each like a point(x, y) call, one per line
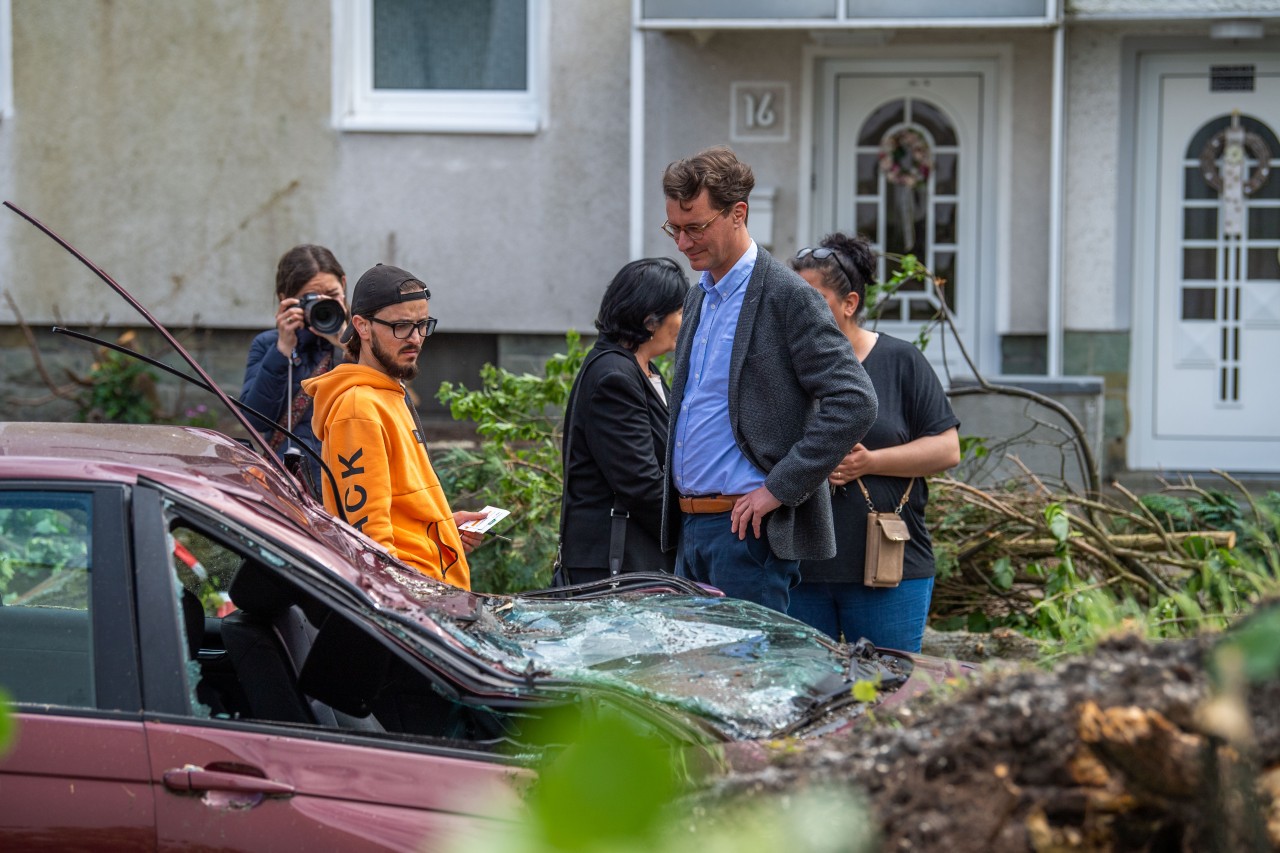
point(322, 316)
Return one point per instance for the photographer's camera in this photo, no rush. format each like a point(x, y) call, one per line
point(322, 315)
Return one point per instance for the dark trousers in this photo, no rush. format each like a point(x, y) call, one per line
point(711, 553)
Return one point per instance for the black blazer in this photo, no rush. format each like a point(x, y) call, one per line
point(614, 445)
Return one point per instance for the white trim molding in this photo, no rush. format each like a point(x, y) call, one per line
point(358, 106)
point(6, 60)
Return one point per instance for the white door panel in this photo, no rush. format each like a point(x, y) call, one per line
point(1207, 300)
point(944, 222)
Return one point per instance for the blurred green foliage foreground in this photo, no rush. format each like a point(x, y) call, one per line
point(607, 787)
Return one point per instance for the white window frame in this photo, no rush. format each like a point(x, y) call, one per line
point(6, 60)
point(357, 106)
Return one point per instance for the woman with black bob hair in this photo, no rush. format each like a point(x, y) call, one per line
point(915, 434)
point(615, 434)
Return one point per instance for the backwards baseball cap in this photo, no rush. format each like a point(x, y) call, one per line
point(380, 287)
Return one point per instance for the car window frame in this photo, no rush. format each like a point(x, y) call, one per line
point(116, 669)
point(164, 696)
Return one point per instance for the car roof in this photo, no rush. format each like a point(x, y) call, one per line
point(125, 452)
point(220, 474)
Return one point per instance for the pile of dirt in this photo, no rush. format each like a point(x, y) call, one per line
point(1122, 750)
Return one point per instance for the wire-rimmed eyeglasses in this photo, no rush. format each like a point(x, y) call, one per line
point(693, 232)
point(404, 328)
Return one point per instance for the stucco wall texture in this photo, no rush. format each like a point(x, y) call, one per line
point(186, 151)
point(687, 108)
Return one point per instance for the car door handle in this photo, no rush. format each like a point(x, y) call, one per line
point(198, 779)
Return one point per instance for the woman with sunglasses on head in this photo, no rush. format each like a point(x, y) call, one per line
point(915, 434)
point(615, 433)
point(310, 317)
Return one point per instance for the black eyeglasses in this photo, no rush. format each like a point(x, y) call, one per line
point(821, 253)
point(405, 328)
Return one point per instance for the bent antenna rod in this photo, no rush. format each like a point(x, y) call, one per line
point(298, 442)
point(209, 384)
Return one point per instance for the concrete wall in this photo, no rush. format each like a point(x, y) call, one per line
point(688, 108)
point(186, 151)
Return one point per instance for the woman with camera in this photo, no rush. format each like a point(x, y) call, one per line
point(311, 315)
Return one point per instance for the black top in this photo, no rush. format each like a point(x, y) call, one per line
point(912, 405)
point(615, 444)
point(267, 389)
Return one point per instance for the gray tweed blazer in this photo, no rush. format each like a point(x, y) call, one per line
point(798, 401)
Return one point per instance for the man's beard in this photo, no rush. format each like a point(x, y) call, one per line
point(388, 362)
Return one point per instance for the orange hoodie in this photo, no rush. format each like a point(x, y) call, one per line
point(389, 490)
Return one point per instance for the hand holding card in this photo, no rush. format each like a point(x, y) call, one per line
point(492, 515)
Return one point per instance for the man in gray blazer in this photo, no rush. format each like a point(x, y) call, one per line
point(766, 400)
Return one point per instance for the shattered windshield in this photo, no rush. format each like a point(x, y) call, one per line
point(749, 670)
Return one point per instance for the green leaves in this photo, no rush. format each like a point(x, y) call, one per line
point(517, 466)
point(1002, 573)
point(608, 784)
point(606, 790)
point(1259, 641)
point(8, 725)
point(866, 691)
point(973, 447)
point(1059, 522)
point(121, 390)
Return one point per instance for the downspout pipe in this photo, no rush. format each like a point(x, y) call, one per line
point(1056, 174)
point(636, 243)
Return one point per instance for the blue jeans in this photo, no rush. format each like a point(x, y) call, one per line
point(891, 618)
point(711, 553)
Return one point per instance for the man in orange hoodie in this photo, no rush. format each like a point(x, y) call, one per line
point(372, 439)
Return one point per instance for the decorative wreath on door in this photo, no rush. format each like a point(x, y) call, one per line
point(905, 158)
point(1215, 148)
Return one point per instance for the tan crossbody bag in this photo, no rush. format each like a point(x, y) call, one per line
point(887, 538)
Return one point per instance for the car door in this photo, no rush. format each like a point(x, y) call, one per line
point(77, 776)
point(229, 776)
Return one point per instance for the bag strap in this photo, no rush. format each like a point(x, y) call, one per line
point(618, 515)
point(898, 509)
point(617, 537)
point(419, 433)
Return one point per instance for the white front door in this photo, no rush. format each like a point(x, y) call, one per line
point(1206, 336)
point(943, 112)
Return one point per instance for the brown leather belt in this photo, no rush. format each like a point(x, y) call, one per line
point(707, 504)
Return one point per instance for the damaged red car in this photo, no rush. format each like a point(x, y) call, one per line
point(199, 655)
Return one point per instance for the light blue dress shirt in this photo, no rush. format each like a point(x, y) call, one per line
point(706, 459)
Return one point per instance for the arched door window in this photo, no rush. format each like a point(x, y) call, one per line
point(907, 198)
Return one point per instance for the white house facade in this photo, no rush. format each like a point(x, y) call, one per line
point(1092, 178)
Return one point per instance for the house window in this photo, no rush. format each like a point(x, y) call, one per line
point(438, 66)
